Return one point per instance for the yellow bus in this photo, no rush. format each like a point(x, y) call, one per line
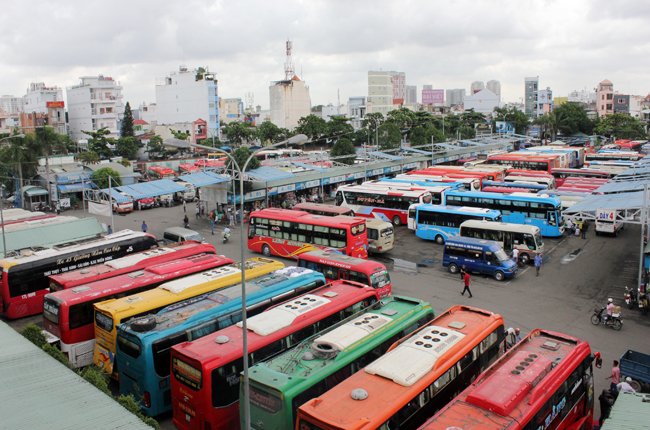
point(111, 313)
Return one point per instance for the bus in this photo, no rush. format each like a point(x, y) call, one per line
point(160, 172)
point(17, 214)
point(288, 233)
point(372, 202)
point(543, 382)
point(144, 344)
point(26, 224)
point(417, 376)
point(20, 218)
point(436, 191)
point(278, 386)
point(479, 176)
point(542, 211)
point(111, 313)
point(205, 373)
point(416, 181)
point(485, 173)
point(24, 281)
point(381, 236)
point(517, 161)
point(323, 209)
point(562, 174)
point(516, 186)
point(525, 238)
point(188, 168)
point(130, 263)
point(467, 184)
point(606, 155)
point(337, 266)
point(437, 222)
point(547, 181)
point(68, 315)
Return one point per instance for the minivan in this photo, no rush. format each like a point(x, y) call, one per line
point(478, 256)
point(180, 234)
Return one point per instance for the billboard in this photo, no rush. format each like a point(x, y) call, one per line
point(58, 104)
point(433, 97)
point(504, 127)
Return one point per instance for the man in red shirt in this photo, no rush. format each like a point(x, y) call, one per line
point(466, 281)
point(615, 377)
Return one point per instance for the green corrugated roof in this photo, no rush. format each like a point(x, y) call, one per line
point(630, 412)
point(38, 392)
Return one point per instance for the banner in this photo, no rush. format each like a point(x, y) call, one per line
point(103, 209)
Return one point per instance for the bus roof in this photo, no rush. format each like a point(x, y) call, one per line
point(465, 210)
point(341, 260)
point(512, 196)
point(387, 189)
point(472, 242)
point(505, 226)
point(333, 209)
point(306, 218)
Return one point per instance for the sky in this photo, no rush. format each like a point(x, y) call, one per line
point(569, 44)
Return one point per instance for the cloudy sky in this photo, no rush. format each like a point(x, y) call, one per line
point(569, 44)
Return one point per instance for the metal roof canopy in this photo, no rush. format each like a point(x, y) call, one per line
point(201, 179)
point(309, 166)
point(380, 154)
point(266, 173)
point(119, 198)
point(417, 151)
point(151, 188)
point(42, 393)
point(628, 205)
point(630, 411)
point(75, 188)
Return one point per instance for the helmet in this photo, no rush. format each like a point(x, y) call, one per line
point(628, 379)
point(517, 330)
point(610, 300)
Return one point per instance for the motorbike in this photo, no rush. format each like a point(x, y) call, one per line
point(631, 298)
point(226, 236)
point(643, 301)
point(599, 317)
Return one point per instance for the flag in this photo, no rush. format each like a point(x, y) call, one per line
point(103, 209)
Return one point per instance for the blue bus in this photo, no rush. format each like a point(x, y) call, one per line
point(436, 222)
point(522, 185)
point(541, 211)
point(144, 344)
point(482, 256)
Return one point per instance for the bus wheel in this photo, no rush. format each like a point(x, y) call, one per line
point(453, 268)
point(266, 251)
point(499, 276)
point(524, 258)
point(440, 240)
point(396, 220)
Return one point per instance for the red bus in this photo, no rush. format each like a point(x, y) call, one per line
point(494, 173)
point(208, 163)
point(523, 172)
point(543, 382)
point(69, 314)
point(562, 174)
point(542, 162)
point(130, 263)
point(24, 281)
point(34, 217)
point(418, 375)
point(468, 184)
point(336, 266)
point(287, 233)
point(205, 372)
point(323, 209)
point(481, 176)
point(160, 172)
point(188, 168)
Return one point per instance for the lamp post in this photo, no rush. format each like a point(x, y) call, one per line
point(2, 203)
point(299, 139)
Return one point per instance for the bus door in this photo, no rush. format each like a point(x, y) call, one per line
point(507, 242)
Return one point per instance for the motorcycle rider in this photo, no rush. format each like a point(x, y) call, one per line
point(226, 234)
point(609, 310)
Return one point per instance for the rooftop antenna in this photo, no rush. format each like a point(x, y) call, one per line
point(288, 64)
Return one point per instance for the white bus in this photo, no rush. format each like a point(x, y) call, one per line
point(469, 184)
point(526, 238)
point(607, 222)
point(435, 190)
point(548, 181)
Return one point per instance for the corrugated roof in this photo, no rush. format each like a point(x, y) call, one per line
point(607, 201)
point(151, 188)
point(380, 154)
point(631, 411)
point(38, 392)
point(201, 179)
point(267, 174)
point(309, 166)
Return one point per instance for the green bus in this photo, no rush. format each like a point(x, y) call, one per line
point(281, 384)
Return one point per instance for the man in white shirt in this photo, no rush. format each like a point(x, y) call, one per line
point(625, 387)
point(515, 255)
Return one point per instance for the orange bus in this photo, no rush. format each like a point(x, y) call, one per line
point(416, 377)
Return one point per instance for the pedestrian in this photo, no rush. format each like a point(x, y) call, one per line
point(197, 211)
point(625, 387)
point(538, 263)
point(201, 209)
point(184, 206)
point(606, 401)
point(144, 226)
point(583, 229)
point(615, 377)
point(517, 335)
point(186, 221)
point(466, 282)
point(569, 227)
point(231, 217)
point(109, 229)
point(515, 256)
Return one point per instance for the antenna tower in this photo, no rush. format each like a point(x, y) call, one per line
point(288, 64)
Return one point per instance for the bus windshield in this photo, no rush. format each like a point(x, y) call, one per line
point(379, 279)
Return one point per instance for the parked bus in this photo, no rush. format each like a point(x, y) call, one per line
point(279, 386)
point(160, 172)
point(337, 266)
point(323, 209)
point(288, 233)
point(607, 155)
point(24, 281)
point(576, 154)
point(543, 382)
point(467, 184)
point(381, 236)
point(436, 191)
point(20, 218)
point(515, 186)
point(545, 163)
point(562, 174)
point(526, 238)
point(519, 208)
point(188, 195)
point(184, 168)
point(479, 171)
point(371, 201)
point(548, 182)
point(608, 221)
point(416, 377)
point(417, 181)
point(436, 222)
point(111, 313)
point(479, 176)
point(205, 373)
point(144, 344)
point(26, 224)
point(16, 214)
point(130, 263)
point(68, 315)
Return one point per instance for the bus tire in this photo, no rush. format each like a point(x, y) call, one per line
point(396, 220)
point(440, 240)
point(499, 276)
point(453, 268)
point(266, 251)
point(524, 258)
point(143, 324)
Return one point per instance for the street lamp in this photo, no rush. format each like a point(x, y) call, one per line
point(2, 204)
point(299, 139)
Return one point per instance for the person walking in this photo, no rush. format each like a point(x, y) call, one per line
point(515, 256)
point(615, 377)
point(144, 226)
point(186, 221)
point(198, 209)
point(606, 401)
point(184, 206)
point(583, 229)
point(109, 229)
point(466, 282)
point(538, 263)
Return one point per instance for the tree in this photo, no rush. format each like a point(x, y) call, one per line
point(127, 122)
point(21, 155)
point(390, 136)
point(181, 135)
point(371, 123)
point(343, 146)
point(99, 141)
point(404, 118)
point(572, 118)
point(517, 118)
point(241, 155)
point(155, 147)
point(100, 177)
point(620, 126)
point(339, 126)
point(238, 132)
point(88, 157)
point(127, 147)
point(548, 123)
point(312, 126)
point(268, 133)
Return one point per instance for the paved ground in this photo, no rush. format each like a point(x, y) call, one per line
point(577, 275)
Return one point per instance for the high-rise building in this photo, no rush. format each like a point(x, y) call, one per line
point(476, 86)
point(93, 104)
point(432, 97)
point(495, 87)
point(531, 85)
point(484, 101)
point(544, 102)
point(605, 98)
point(186, 96)
point(455, 96)
point(386, 91)
point(411, 95)
point(46, 103)
point(399, 87)
point(289, 98)
point(356, 111)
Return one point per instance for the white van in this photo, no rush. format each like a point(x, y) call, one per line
point(607, 222)
point(188, 195)
point(180, 234)
point(380, 236)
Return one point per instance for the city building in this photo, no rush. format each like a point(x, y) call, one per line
point(531, 85)
point(637, 105)
point(544, 102)
point(11, 105)
point(455, 96)
point(380, 92)
point(145, 112)
point(289, 98)
point(476, 86)
point(559, 101)
point(605, 98)
point(43, 106)
point(231, 110)
point(621, 103)
point(411, 95)
point(494, 86)
point(186, 96)
point(93, 104)
point(484, 101)
point(582, 96)
point(356, 111)
point(398, 80)
point(432, 97)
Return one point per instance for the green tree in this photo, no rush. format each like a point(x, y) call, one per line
point(241, 155)
point(127, 147)
point(390, 136)
point(155, 147)
point(238, 132)
point(338, 127)
point(343, 146)
point(181, 135)
point(548, 125)
point(404, 118)
point(511, 114)
point(572, 118)
point(98, 142)
point(620, 126)
point(88, 157)
point(312, 126)
point(127, 122)
point(20, 156)
point(100, 177)
point(268, 133)
point(371, 123)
